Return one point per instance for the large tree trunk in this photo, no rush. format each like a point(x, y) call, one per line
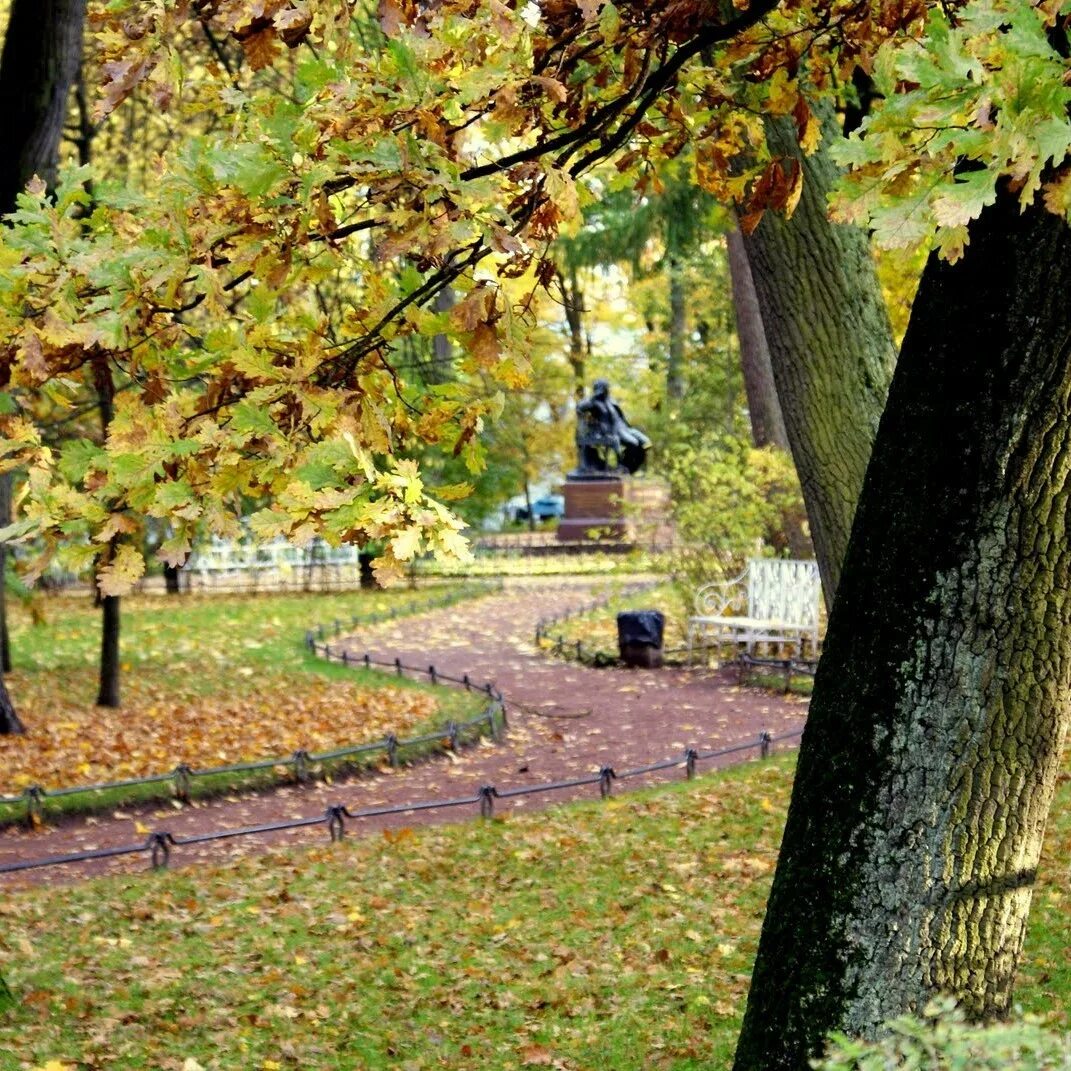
point(39, 63)
point(941, 703)
point(830, 344)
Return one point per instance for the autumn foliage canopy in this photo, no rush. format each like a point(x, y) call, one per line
point(243, 311)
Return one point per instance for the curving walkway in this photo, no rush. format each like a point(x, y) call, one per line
point(566, 720)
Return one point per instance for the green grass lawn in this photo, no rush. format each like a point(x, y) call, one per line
point(207, 680)
point(593, 937)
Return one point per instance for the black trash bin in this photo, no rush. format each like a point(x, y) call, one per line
point(639, 637)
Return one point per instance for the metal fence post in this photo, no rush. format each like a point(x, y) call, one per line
point(301, 766)
point(336, 827)
point(35, 796)
point(159, 850)
point(606, 775)
point(183, 782)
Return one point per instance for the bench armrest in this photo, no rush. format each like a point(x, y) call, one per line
point(722, 597)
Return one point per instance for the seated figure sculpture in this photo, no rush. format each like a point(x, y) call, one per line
point(607, 444)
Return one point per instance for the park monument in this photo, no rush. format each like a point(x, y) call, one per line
point(602, 498)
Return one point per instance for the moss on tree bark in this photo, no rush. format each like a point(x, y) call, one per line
point(830, 344)
point(941, 702)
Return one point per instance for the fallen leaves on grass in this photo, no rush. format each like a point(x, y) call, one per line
point(207, 681)
point(572, 939)
point(72, 743)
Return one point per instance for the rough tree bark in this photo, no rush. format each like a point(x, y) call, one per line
point(764, 410)
point(40, 60)
point(941, 703)
point(830, 343)
point(39, 64)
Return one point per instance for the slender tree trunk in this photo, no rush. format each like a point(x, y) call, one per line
point(528, 504)
point(442, 349)
point(5, 519)
point(678, 329)
point(573, 303)
point(942, 700)
point(764, 410)
point(830, 343)
point(108, 695)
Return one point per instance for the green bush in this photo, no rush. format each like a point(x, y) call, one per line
point(942, 1040)
point(730, 503)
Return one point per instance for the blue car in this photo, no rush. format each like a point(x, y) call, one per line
point(544, 509)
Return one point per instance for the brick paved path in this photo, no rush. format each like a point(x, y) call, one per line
point(566, 720)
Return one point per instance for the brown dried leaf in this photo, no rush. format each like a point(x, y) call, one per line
point(260, 48)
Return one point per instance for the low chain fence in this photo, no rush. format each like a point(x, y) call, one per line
point(181, 782)
point(748, 666)
point(159, 844)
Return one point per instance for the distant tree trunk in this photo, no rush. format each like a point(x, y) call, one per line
point(678, 329)
point(442, 348)
point(40, 60)
point(830, 344)
point(764, 409)
point(368, 576)
point(573, 304)
point(528, 503)
point(172, 577)
point(942, 700)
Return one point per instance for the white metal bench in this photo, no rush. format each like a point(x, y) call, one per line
point(774, 600)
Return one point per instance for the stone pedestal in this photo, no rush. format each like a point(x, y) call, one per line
point(593, 510)
point(623, 509)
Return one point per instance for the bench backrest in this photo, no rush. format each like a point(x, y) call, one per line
point(782, 589)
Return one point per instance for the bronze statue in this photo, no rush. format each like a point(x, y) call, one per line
point(607, 444)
